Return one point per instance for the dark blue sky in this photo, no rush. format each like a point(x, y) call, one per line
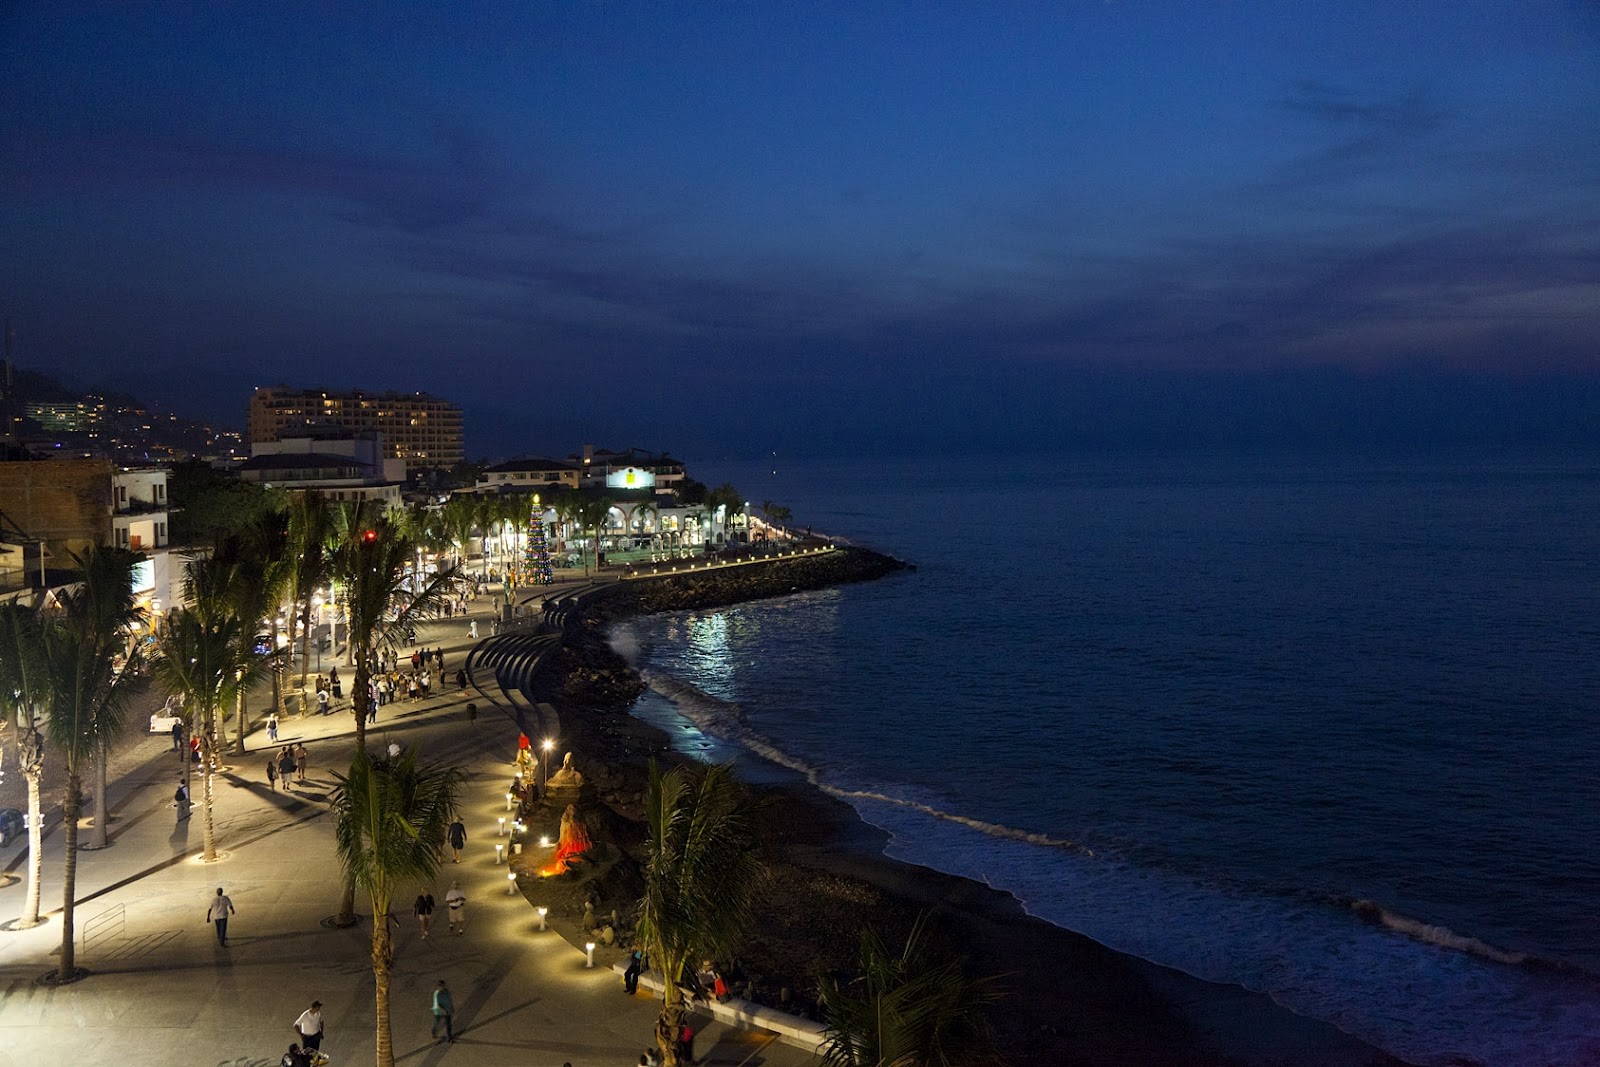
point(725, 228)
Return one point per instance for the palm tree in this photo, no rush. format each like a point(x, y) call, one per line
point(263, 570)
point(310, 527)
point(457, 517)
point(87, 692)
point(726, 500)
point(907, 1010)
point(391, 816)
point(24, 696)
point(591, 513)
point(702, 878)
point(384, 602)
point(207, 656)
point(385, 606)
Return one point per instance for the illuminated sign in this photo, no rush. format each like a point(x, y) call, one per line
point(631, 478)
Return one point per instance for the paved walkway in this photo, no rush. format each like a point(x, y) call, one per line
point(162, 990)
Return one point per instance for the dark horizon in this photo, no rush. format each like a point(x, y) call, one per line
point(740, 228)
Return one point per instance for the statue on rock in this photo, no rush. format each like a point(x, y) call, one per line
point(568, 786)
point(572, 844)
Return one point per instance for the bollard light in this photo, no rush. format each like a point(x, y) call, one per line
point(508, 800)
point(499, 851)
point(542, 913)
point(544, 840)
point(511, 884)
point(589, 949)
point(502, 832)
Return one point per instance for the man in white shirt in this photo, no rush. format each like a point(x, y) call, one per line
point(217, 914)
point(456, 902)
point(309, 1026)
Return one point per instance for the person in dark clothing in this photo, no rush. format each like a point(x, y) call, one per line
point(630, 977)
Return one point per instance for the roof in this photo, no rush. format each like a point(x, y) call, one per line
point(285, 461)
point(529, 463)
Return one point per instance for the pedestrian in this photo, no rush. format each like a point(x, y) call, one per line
point(272, 773)
point(177, 734)
point(272, 727)
point(322, 701)
point(472, 629)
point(443, 1008)
point(334, 683)
point(455, 903)
point(630, 977)
point(300, 761)
point(457, 836)
point(285, 765)
point(394, 750)
point(180, 800)
point(438, 660)
point(218, 914)
point(310, 1026)
point(423, 910)
point(372, 702)
point(686, 1043)
point(461, 679)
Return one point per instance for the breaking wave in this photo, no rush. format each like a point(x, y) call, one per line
point(726, 721)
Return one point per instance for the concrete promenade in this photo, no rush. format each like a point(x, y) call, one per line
point(162, 991)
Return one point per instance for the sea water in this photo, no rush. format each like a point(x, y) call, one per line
point(1325, 728)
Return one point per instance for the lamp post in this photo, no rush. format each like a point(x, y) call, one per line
point(546, 747)
point(588, 949)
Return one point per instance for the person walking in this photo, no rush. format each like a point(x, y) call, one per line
point(461, 679)
point(272, 727)
point(472, 629)
point(177, 734)
point(272, 773)
point(457, 836)
point(443, 1008)
point(322, 702)
point(180, 800)
point(455, 903)
point(217, 915)
point(334, 683)
point(423, 910)
point(310, 1026)
point(425, 682)
point(300, 755)
point(285, 766)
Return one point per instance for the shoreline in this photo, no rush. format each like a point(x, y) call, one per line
point(1068, 999)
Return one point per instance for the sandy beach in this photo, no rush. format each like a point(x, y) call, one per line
point(1068, 999)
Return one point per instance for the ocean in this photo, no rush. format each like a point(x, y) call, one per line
point(1322, 727)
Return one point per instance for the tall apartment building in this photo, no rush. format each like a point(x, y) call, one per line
point(416, 427)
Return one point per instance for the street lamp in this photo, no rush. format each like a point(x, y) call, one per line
point(546, 746)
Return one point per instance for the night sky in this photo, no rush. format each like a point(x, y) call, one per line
point(730, 228)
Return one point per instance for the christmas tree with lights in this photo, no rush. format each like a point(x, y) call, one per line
point(536, 568)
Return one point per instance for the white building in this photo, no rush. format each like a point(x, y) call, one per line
point(347, 468)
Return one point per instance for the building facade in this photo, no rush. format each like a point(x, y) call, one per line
point(420, 429)
point(344, 468)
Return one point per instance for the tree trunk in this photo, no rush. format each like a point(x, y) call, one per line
point(361, 695)
point(30, 903)
point(278, 701)
point(305, 650)
point(70, 809)
point(669, 1024)
point(347, 905)
point(382, 958)
point(239, 714)
point(97, 832)
point(208, 748)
